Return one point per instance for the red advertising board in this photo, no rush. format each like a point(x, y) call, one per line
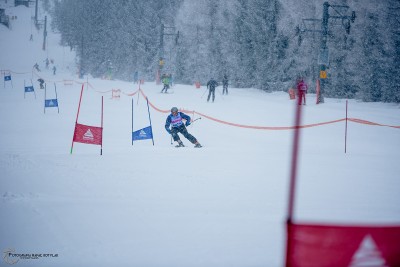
point(332, 245)
point(88, 134)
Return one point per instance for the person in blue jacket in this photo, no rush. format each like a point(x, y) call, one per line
point(175, 121)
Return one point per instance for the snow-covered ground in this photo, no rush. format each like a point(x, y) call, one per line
point(143, 205)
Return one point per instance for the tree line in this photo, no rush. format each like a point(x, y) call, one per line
point(254, 42)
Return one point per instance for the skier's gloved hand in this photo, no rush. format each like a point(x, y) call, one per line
point(187, 123)
point(169, 131)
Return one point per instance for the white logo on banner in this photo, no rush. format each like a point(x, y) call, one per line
point(142, 133)
point(51, 103)
point(88, 135)
point(367, 255)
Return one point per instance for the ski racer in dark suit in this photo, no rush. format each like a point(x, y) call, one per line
point(175, 120)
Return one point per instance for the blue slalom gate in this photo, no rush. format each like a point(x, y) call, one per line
point(144, 133)
point(50, 103)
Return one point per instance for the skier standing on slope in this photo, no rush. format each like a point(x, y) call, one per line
point(301, 90)
point(165, 80)
point(225, 84)
point(211, 86)
point(41, 81)
point(177, 126)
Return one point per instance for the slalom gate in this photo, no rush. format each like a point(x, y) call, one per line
point(7, 78)
point(50, 103)
point(88, 134)
point(29, 89)
point(146, 132)
point(116, 94)
point(335, 245)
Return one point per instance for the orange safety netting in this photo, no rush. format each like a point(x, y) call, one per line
point(355, 120)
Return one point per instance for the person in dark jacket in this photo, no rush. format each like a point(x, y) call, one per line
point(41, 82)
point(175, 121)
point(36, 66)
point(225, 84)
point(211, 86)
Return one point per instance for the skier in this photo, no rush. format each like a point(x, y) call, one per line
point(165, 81)
point(41, 81)
point(211, 86)
point(47, 63)
point(36, 66)
point(225, 84)
point(54, 70)
point(177, 126)
point(301, 90)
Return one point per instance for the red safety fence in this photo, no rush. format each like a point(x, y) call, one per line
point(272, 128)
point(372, 123)
point(10, 71)
point(269, 127)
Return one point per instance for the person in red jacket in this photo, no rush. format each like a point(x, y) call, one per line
point(302, 90)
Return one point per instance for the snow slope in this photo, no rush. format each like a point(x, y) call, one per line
point(143, 205)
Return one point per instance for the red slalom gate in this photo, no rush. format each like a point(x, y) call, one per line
point(317, 245)
point(88, 134)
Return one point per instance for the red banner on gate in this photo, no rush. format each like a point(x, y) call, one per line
point(88, 134)
point(329, 245)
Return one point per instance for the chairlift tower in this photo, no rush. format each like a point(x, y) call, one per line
point(44, 33)
point(338, 13)
point(166, 31)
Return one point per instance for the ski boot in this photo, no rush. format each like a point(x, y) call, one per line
point(180, 144)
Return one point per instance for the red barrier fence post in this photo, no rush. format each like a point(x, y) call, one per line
point(345, 132)
point(318, 90)
point(293, 174)
point(292, 94)
point(101, 145)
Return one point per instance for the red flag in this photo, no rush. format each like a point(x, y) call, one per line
point(88, 134)
point(329, 245)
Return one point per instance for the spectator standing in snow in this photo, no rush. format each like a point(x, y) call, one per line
point(47, 61)
point(175, 120)
point(136, 77)
point(36, 66)
point(54, 70)
point(225, 84)
point(41, 81)
point(211, 87)
point(301, 90)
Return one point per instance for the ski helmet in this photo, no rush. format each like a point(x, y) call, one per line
point(174, 109)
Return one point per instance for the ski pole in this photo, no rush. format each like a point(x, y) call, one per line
point(195, 120)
